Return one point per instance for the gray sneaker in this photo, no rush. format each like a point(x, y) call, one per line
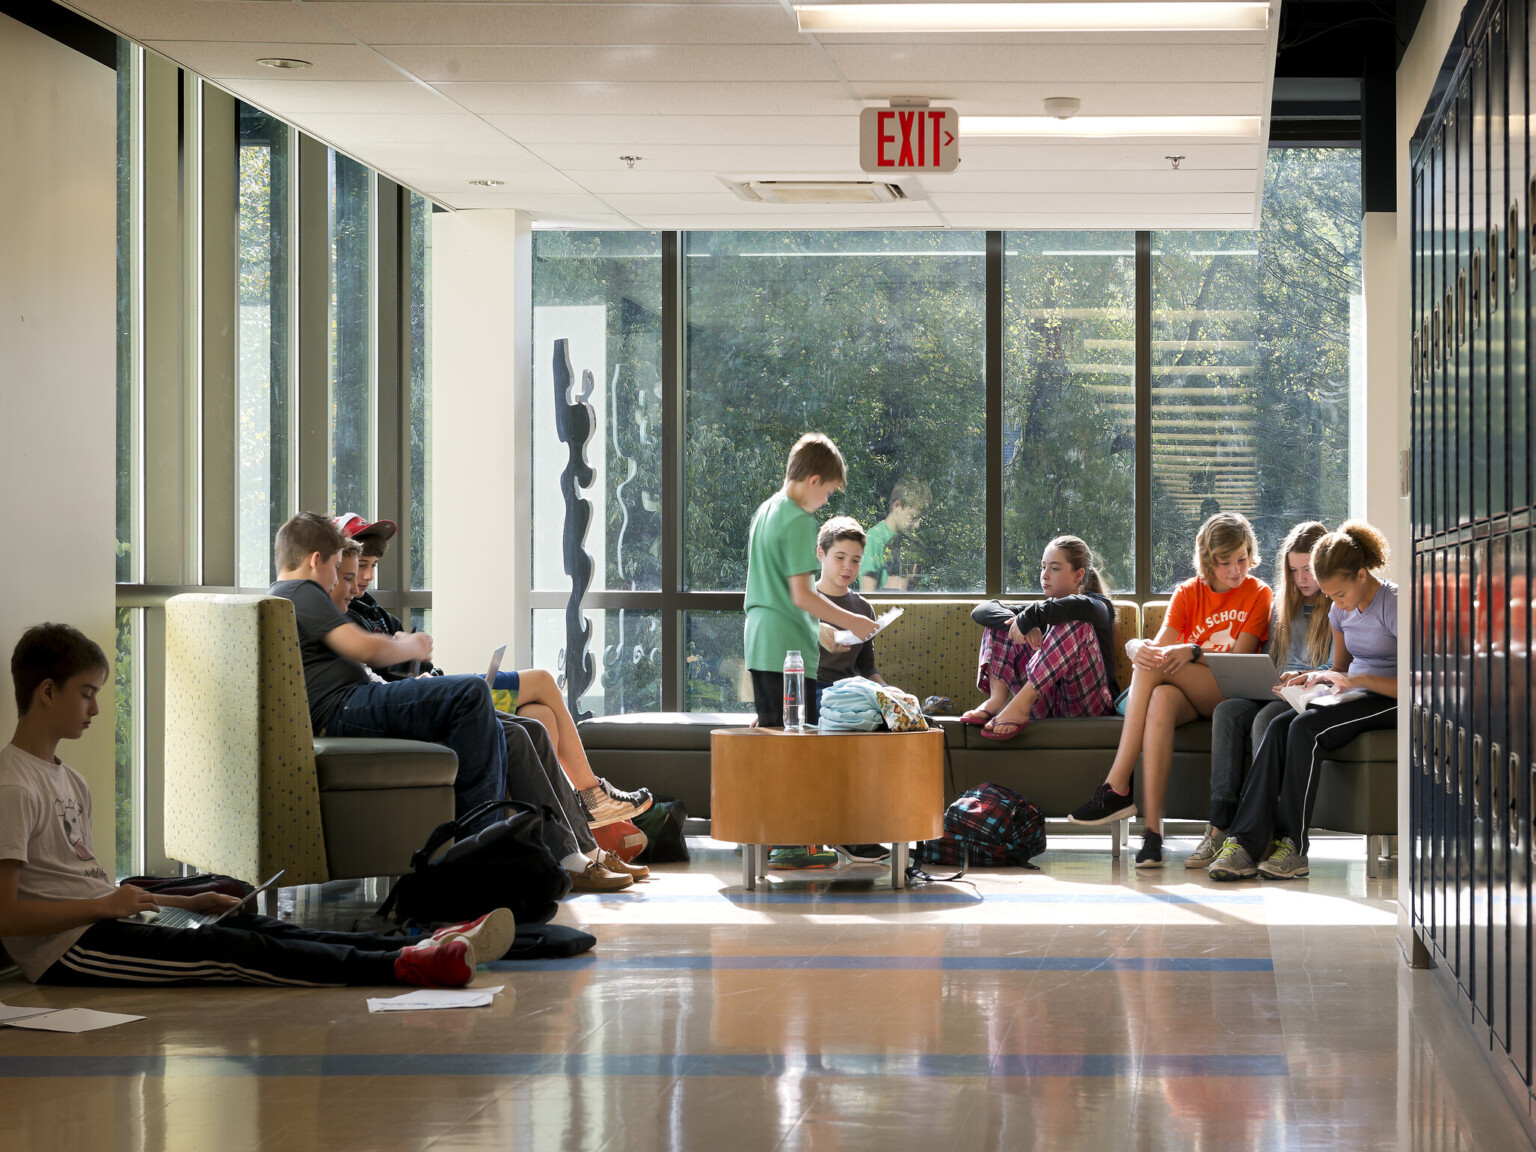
point(604, 804)
point(1232, 862)
point(1210, 844)
point(1284, 862)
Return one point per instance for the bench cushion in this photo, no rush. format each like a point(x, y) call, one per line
point(346, 763)
point(659, 731)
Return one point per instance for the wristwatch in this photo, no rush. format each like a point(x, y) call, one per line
point(1194, 653)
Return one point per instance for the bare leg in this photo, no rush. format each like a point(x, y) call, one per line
point(1193, 680)
point(538, 697)
point(996, 701)
point(1168, 709)
point(1020, 708)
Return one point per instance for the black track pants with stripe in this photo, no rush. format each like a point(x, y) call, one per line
point(251, 950)
point(1281, 789)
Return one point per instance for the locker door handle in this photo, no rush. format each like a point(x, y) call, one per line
point(1437, 750)
point(1513, 799)
point(1477, 775)
point(1461, 766)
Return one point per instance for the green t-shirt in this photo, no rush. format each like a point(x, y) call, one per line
point(876, 560)
point(782, 543)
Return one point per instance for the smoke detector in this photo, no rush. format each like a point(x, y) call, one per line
point(1062, 107)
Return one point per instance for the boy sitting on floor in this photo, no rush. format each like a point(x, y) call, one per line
point(61, 917)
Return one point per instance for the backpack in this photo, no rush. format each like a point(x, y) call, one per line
point(504, 865)
point(662, 824)
point(988, 826)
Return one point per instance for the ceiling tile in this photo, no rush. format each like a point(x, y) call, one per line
point(1117, 221)
point(841, 129)
point(625, 63)
point(1148, 180)
point(819, 219)
point(240, 20)
point(640, 180)
point(708, 158)
point(445, 181)
point(330, 61)
point(725, 203)
point(396, 128)
point(558, 24)
point(662, 98)
point(337, 97)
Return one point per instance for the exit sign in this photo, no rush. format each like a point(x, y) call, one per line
point(895, 140)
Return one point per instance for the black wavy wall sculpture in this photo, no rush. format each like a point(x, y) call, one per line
point(574, 423)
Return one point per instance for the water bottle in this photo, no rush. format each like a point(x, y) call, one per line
point(794, 692)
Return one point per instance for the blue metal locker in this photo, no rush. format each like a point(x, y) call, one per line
point(1522, 842)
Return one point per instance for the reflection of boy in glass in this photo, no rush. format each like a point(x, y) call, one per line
point(882, 567)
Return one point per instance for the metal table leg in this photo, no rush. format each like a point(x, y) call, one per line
point(749, 867)
point(899, 865)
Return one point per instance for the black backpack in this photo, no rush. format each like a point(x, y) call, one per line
point(505, 865)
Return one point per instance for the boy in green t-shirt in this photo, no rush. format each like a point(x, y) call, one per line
point(782, 602)
point(882, 569)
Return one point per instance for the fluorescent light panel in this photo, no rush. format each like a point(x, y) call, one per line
point(1082, 16)
point(1241, 127)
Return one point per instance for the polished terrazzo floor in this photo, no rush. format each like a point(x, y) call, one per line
point(1083, 1006)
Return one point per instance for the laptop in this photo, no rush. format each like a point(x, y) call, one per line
point(1243, 675)
point(490, 673)
point(186, 918)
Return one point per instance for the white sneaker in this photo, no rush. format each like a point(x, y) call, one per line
point(1210, 844)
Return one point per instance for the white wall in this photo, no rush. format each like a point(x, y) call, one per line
point(482, 279)
point(57, 365)
point(1415, 80)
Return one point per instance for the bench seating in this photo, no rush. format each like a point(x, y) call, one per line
point(931, 651)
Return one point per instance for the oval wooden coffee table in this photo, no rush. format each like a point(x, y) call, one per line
point(768, 786)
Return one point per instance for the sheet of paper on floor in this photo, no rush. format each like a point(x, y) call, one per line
point(426, 999)
point(73, 1020)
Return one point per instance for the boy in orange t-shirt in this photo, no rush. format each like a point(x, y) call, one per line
point(1221, 610)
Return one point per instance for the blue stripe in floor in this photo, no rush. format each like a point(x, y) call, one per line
point(901, 963)
point(513, 1064)
point(888, 897)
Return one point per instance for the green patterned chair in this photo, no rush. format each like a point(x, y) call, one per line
point(249, 789)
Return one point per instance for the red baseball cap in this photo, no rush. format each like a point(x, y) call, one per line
point(353, 525)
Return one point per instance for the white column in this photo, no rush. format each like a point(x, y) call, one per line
point(58, 396)
point(482, 276)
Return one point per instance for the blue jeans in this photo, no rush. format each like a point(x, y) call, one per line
point(451, 710)
point(1233, 724)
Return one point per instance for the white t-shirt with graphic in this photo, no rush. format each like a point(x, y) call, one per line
point(45, 822)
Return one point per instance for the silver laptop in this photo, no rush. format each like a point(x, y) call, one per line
point(490, 673)
point(186, 918)
point(1243, 675)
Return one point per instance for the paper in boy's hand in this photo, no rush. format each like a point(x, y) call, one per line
point(848, 639)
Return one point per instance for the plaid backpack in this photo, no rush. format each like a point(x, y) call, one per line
point(988, 826)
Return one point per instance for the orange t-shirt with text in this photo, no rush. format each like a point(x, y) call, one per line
point(1214, 620)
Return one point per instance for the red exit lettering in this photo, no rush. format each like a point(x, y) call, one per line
point(918, 140)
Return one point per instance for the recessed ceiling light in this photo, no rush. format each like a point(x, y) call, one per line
point(1241, 127)
point(1081, 16)
point(486, 183)
point(283, 62)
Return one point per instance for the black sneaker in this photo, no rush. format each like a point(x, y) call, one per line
point(1106, 807)
point(865, 853)
point(1151, 853)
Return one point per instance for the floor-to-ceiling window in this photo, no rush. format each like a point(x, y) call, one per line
point(217, 358)
point(1227, 377)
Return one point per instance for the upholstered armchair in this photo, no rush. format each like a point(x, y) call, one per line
point(248, 789)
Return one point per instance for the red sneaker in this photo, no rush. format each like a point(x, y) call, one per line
point(488, 937)
point(434, 965)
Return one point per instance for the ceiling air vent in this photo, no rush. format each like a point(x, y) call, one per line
point(817, 191)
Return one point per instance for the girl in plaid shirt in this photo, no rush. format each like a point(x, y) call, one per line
point(1050, 657)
